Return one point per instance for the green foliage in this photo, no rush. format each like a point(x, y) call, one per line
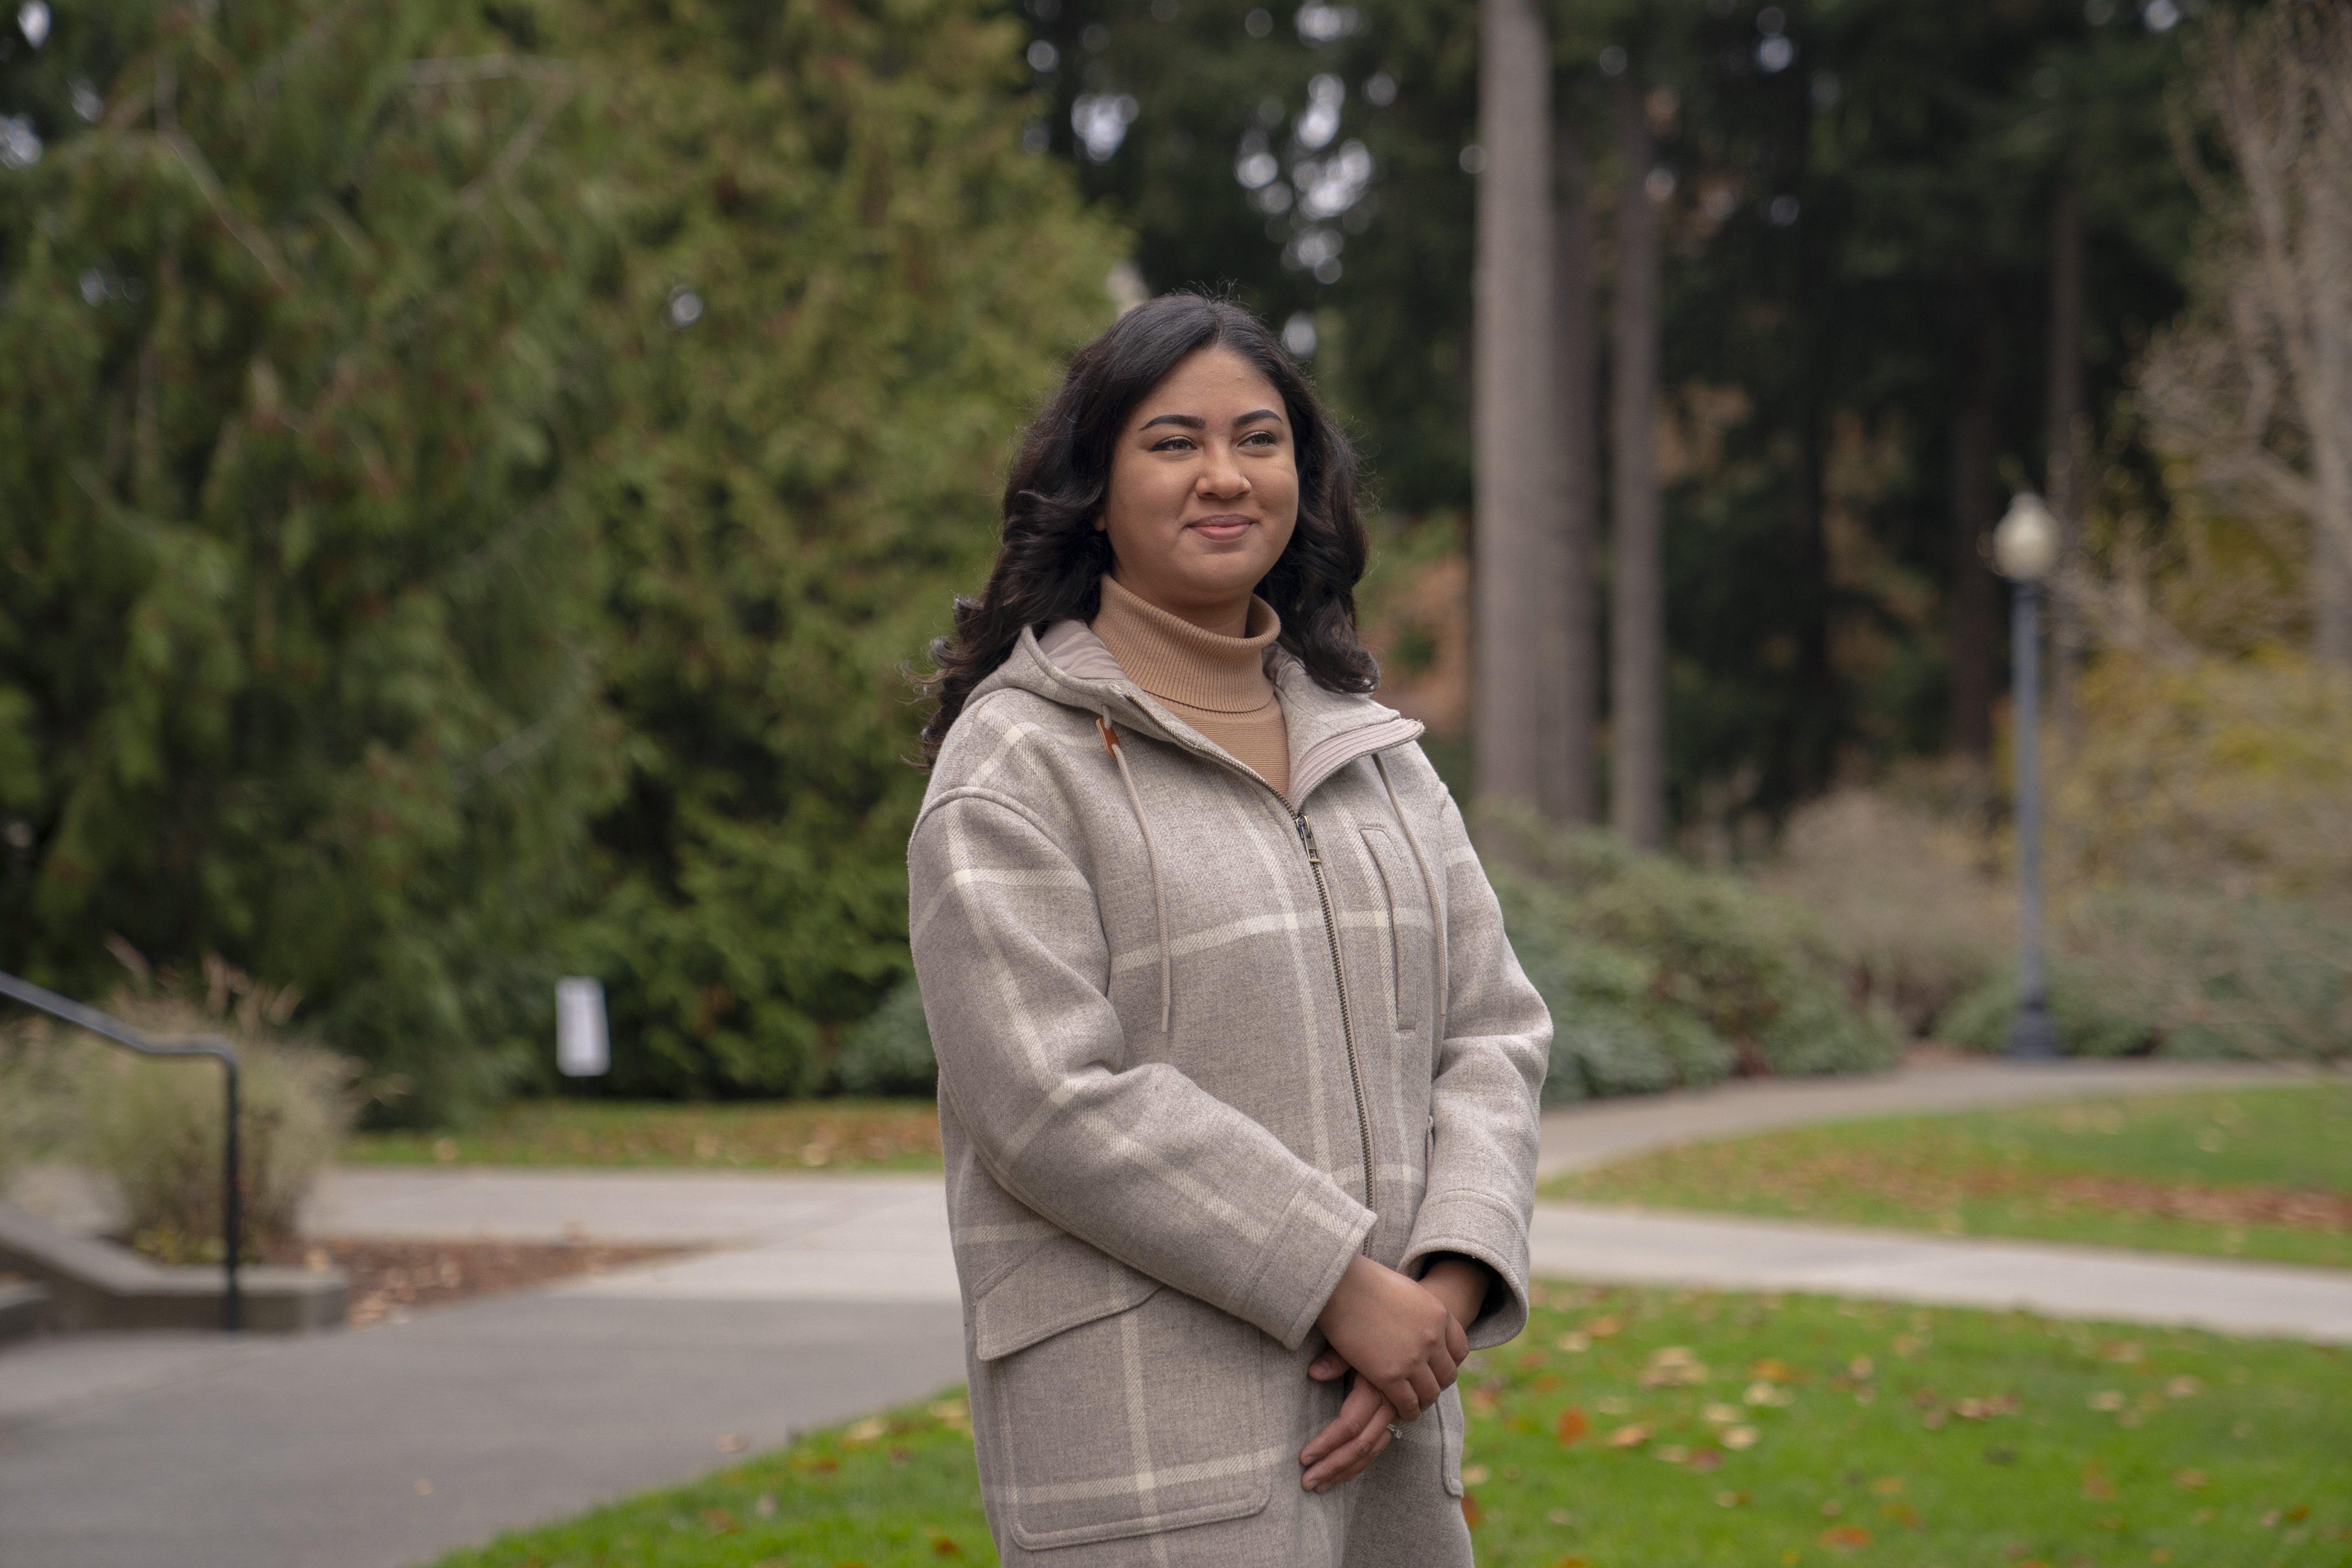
point(890, 1051)
point(884, 279)
point(1660, 974)
point(466, 520)
point(2088, 1024)
point(296, 659)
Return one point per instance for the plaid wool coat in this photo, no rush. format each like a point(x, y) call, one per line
point(1198, 1045)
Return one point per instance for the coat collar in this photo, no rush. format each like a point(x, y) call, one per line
point(1327, 730)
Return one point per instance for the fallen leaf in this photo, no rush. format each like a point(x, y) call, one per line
point(1561, 1517)
point(1576, 1342)
point(1470, 1510)
point(867, 1430)
point(1706, 1459)
point(1887, 1485)
point(1603, 1328)
point(2194, 1480)
point(1861, 1367)
point(765, 1508)
point(1832, 1508)
point(1570, 1563)
point(718, 1521)
point(1740, 1436)
point(1845, 1538)
point(1902, 1513)
point(1573, 1426)
point(2096, 1484)
point(2108, 1399)
point(2183, 1387)
point(1729, 1499)
point(944, 1546)
point(1772, 1370)
point(1720, 1415)
point(1475, 1476)
point(2298, 1513)
point(1628, 1436)
point(1672, 1453)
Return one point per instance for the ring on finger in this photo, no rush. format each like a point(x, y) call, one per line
point(1396, 1431)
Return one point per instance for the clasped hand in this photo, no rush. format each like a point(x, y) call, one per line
point(1403, 1340)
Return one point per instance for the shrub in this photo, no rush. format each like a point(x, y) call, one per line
point(153, 1128)
point(2088, 1024)
point(890, 1052)
point(1660, 974)
point(33, 1094)
point(1900, 889)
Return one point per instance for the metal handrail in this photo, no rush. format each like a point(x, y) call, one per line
point(109, 1027)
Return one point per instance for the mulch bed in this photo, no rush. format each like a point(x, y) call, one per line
point(390, 1280)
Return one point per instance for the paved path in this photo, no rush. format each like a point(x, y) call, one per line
point(178, 1451)
point(824, 1297)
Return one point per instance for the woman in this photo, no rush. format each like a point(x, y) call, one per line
point(1237, 1072)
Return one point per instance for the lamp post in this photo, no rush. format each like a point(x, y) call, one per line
point(2025, 547)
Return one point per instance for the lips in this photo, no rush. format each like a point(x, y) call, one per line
point(1223, 529)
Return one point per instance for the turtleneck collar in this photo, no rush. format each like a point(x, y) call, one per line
point(1178, 662)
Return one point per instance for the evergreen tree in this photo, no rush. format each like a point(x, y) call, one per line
point(297, 645)
point(849, 281)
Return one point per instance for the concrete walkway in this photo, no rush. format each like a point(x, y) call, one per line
point(825, 1297)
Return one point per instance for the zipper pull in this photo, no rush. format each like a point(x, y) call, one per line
point(1306, 826)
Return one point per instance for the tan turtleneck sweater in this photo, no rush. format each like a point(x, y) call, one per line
point(1216, 684)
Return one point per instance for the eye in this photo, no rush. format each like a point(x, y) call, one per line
point(1172, 444)
point(1261, 438)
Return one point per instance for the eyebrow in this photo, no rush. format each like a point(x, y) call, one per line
point(1191, 422)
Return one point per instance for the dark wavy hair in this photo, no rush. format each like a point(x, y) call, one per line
point(1050, 562)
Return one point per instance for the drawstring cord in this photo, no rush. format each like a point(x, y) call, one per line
point(1151, 854)
point(1429, 885)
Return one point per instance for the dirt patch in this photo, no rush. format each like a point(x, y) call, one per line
point(392, 1278)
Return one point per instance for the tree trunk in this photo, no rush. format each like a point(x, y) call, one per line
point(2065, 436)
point(1975, 595)
point(1516, 438)
point(1572, 665)
point(1637, 724)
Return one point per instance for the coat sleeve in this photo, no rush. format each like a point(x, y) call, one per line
point(1137, 1161)
point(1485, 1102)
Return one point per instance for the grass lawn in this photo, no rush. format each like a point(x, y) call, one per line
point(2264, 1173)
point(1649, 1430)
point(793, 1135)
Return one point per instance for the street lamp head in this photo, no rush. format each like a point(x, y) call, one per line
point(2025, 543)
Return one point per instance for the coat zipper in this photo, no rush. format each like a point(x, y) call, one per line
point(1306, 826)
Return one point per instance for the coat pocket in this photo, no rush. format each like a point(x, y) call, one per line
point(1411, 931)
point(1146, 1420)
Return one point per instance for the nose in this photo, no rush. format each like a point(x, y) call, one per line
point(1221, 477)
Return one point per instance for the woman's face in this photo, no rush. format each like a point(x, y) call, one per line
point(1203, 490)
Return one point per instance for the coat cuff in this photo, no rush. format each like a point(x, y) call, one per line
point(1300, 1263)
point(1477, 1225)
